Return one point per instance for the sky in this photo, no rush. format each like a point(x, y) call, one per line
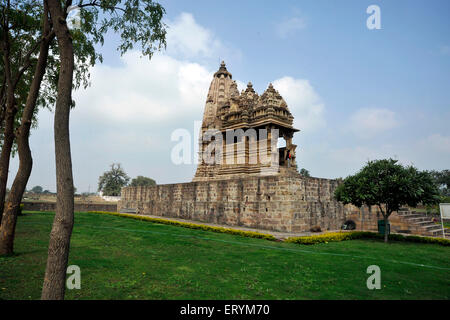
point(357, 94)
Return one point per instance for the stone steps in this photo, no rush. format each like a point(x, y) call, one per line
point(421, 223)
point(438, 233)
point(425, 223)
point(416, 219)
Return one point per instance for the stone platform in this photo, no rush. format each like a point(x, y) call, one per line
point(283, 203)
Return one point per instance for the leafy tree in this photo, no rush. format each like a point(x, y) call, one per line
point(304, 172)
point(112, 181)
point(24, 44)
point(30, 61)
point(388, 185)
point(442, 180)
point(37, 189)
point(142, 181)
point(137, 21)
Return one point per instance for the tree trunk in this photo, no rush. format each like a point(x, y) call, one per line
point(11, 110)
point(58, 250)
point(6, 155)
point(386, 221)
point(15, 196)
point(7, 228)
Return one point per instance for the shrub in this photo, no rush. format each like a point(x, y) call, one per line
point(341, 236)
point(243, 233)
point(321, 238)
point(315, 229)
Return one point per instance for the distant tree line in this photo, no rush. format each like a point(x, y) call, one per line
point(110, 182)
point(442, 180)
point(113, 180)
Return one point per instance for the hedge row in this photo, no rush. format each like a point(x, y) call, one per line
point(243, 233)
point(341, 236)
point(321, 238)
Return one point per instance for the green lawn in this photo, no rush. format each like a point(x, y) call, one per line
point(123, 258)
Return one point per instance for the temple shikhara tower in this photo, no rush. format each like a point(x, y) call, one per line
point(240, 132)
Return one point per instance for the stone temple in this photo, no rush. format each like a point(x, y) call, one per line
point(244, 178)
point(248, 127)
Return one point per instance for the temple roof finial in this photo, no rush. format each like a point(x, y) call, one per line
point(223, 71)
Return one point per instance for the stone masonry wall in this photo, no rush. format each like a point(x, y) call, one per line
point(282, 203)
point(81, 207)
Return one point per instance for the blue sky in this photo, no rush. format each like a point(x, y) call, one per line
point(356, 94)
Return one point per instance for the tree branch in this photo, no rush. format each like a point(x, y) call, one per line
point(27, 62)
point(381, 209)
point(95, 4)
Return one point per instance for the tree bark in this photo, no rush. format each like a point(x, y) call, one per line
point(7, 228)
point(58, 250)
point(386, 221)
point(11, 110)
point(6, 155)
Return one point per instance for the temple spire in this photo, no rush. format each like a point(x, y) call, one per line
point(223, 71)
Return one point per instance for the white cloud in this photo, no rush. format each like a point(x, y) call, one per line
point(129, 112)
point(350, 159)
point(436, 143)
point(144, 91)
point(187, 37)
point(290, 26)
point(369, 122)
point(303, 102)
point(431, 152)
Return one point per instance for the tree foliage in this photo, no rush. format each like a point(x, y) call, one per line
point(37, 189)
point(142, 181)
point(442, 180)
point(389, 186)
point(112, 181)
point(304, 172)
point(22, 30)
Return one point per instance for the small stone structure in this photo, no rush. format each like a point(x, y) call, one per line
point(248, 181)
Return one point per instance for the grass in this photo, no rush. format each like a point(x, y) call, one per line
point(130, 259)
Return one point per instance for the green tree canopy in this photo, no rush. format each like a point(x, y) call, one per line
point(442, 179)
point(37, 189)
point(142, 181)
point(388, 185)
point(304, 172)
point(112, 181)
